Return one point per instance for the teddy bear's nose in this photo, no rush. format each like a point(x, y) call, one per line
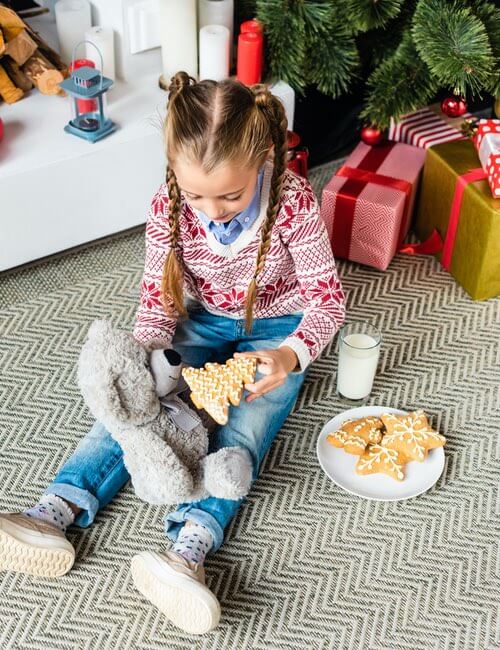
point(173, 357)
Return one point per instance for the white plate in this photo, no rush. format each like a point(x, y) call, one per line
point(339, 465)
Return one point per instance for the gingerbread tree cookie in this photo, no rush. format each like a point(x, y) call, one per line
point(217, 385)
point(377, 459)
point(354, 435)
point(410, 434)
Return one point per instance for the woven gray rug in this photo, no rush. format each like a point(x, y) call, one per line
point(305, 565)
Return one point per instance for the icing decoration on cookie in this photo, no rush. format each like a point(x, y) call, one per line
point(410, 434)
point(377, 459)
point(354, 435)
point(354, 445)
point(337, 438)
point(217, 385)
point(369, 428)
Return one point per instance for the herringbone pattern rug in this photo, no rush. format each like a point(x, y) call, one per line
point(305, 565)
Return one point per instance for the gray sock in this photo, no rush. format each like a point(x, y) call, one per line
point(193, 542)
point(53, 510)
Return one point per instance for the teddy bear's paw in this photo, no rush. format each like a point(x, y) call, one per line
point(228, 473)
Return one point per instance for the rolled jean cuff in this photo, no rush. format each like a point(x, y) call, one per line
point(175, 520)
point(82, 498)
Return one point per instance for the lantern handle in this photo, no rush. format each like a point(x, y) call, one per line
point(98, 52)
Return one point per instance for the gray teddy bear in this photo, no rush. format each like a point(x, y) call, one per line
point(134, 393)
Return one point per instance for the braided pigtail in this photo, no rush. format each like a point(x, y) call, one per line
point(274, 112)
point(172, 282)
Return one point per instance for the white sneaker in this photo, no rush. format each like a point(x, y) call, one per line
point(30, 545)
point(177, 588)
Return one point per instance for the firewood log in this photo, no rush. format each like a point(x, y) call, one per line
point(21, 47)
point(12, 24)
point(43, 74)
point(8, 91)
point(16, 74)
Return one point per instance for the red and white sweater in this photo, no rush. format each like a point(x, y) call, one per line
point(299, 272)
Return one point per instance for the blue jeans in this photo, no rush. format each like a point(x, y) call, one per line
point(95, 472)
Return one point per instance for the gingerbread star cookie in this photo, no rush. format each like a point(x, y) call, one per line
point(354, 435)
point(217, 385)
point(376, 459)
point(410, 434)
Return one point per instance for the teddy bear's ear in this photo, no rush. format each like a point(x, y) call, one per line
point(115, 404)
point(111, 399)
point(112, 378)
point(128, 404)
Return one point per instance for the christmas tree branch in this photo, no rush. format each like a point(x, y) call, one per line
point(454, 44)
point(333, 63)
point(489, 15)
point(285, 41)
point(401, 84)
point(370, 14)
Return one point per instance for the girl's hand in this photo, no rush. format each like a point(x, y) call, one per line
point(276, 364)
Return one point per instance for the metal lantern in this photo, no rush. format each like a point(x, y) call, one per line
point(88, 83)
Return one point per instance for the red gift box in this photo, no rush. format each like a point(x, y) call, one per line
point(368, 203)
point(487, 140)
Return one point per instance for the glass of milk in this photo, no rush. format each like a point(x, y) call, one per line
point(359, 349)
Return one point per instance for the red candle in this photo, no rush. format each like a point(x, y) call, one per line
point(84, 105)
point(249, 59)
point(255, 26)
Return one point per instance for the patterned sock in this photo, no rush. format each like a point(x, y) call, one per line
point(53, 510)
point(194, 542)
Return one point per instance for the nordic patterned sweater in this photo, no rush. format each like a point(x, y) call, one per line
point(299, 273)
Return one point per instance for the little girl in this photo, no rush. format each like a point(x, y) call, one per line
point(238, 262)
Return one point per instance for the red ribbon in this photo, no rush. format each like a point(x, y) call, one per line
point(357, 179)
point(449, 241)
point(434, 244)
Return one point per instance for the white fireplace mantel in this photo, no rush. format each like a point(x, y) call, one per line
point(58, 191)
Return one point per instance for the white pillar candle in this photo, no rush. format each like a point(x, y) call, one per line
point(358, 359)
point(102, 37)
point(179, 37)
point(217, 12)
point(214, 52)
point(287, 96)
point(72, 20)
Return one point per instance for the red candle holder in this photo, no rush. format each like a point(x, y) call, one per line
point(298, 157)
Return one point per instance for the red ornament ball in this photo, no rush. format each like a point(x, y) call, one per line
point(371, 135)
point(454, 106)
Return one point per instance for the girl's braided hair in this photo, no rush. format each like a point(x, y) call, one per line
point(210, 123)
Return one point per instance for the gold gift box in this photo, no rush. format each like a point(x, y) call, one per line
point(475, 262)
